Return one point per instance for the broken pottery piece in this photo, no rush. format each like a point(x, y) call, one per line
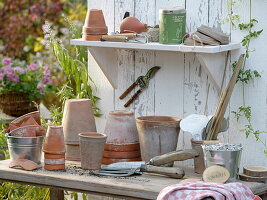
point(28, 131)
point(28, 122)
point(24, 164)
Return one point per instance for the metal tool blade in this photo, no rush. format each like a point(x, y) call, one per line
point(151, 73)
point(123, 165)
point(143, 81)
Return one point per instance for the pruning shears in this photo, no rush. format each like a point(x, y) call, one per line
point(143, 82)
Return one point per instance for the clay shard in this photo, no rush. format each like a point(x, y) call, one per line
point(204, 39)
point(25, 164)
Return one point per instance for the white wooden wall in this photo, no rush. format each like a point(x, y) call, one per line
point(181, 87)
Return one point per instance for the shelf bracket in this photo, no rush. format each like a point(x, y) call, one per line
point(107, 60)
point(214, 65)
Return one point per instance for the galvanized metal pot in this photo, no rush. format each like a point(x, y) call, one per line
point(228, 159)
point(25, 147)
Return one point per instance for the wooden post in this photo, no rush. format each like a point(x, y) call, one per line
point(56, 194)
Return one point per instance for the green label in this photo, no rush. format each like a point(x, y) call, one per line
point(172, 28)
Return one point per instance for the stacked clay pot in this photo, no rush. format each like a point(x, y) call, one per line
point(54, 149)
point(94, 25)
point(122, 138)
point(78, 117)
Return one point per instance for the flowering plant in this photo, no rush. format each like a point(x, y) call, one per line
point(17, 76)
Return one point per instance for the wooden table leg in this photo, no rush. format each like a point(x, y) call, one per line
point(56, 194)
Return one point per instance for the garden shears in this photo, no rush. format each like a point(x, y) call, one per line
point(143, 82)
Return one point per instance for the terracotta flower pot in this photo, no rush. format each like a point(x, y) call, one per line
point(94, 25)
point(122, 141)
point(132, 24)
point(158, 135)
point(54, 148)
point(92, 149)
point(78, 117)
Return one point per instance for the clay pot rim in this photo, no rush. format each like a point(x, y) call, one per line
point(158, 120)
point(121, 112)
point(77, 100)
point(10, 136)
point(92, 135)
point(55, 126)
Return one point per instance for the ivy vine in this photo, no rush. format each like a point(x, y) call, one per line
point(246, 75)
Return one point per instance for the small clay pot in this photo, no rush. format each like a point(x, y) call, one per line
point(107, 161)
point(94, 25)
point(92, 149)
point(73, 152)
point(54, 161)
point(54, 143)
point(78, 117)
point(132, 24)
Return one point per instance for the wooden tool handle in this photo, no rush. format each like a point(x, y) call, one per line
point(114, 38)
point(174, 156)
point(173, 172)
point(128, 35)
point(124, 94)
point(132, 98)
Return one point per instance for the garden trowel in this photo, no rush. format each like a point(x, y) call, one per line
point(121, 169)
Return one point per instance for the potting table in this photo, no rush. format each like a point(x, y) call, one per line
point(134, 187)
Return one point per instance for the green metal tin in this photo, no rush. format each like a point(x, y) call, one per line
point(172, 23)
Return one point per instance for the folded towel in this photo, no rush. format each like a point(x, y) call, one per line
point(200, 190)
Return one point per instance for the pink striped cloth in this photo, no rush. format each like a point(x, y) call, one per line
point(200, 190)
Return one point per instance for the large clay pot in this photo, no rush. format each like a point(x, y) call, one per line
point(78, 117)
point(132, 24)
point(54, 148)
point(158, 135)
point(94, 25)
point(92, 148)
point(122, 142)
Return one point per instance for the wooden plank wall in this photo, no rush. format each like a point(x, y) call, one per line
point(182, 87)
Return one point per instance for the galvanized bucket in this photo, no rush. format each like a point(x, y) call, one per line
point(229, 159)
point(25, 147)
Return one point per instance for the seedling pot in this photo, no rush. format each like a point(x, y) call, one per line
point(158, 135)
point(92, 149)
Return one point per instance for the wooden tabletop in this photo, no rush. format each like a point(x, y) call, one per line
point(145, 186)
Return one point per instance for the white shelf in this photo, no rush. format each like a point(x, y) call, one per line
point(158, 47)
point(212, 58)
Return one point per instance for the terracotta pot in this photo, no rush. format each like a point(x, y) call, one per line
point(78, 117)
point(121, 128)
point(94, 25)
point(122, 154)
point(107, 161)
point(132, 24)
point(91, 37)
point(54, 143)
point(54, 149)
point(122, 147)
point(158, 135)
point(73, 152)
point(92, 149)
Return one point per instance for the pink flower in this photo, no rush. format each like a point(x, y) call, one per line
point(47, 71)
point(40, 86)
point(2, 75)
point(46, 80)
point(19, 70)
point(13, 78)
point(6, 61)
point(7, 69)
point(33, 67)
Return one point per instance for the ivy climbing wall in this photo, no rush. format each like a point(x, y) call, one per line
point(182, 87)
